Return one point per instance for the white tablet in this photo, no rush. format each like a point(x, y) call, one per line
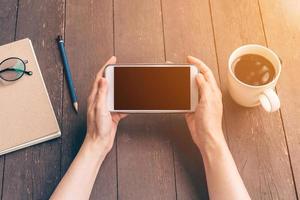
point(151, 88)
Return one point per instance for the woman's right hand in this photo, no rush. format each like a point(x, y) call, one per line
point(205, 124)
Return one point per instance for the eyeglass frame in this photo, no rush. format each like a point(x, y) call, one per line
point(24, 71)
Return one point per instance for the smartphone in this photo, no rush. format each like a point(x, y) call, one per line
point(151, 88)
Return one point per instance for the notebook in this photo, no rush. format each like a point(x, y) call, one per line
point(26, 113)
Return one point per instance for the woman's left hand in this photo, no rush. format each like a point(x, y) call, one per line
point(101, 124)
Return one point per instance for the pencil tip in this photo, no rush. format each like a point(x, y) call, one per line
point(75, 104)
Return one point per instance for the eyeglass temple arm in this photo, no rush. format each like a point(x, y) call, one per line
point(27, 72)
point(18, 70)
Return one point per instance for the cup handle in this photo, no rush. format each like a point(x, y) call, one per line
point(269, 100)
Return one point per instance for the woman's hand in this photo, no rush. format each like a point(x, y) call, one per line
point(205, 124)
point(101, 124)
point(101, 131)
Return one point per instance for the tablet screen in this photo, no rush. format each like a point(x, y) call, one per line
point(152, 88)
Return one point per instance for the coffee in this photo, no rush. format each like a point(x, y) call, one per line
point(254, 69)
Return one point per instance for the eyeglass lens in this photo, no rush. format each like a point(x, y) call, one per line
point(12, 69)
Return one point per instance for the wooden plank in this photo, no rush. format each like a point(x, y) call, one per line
point(33, 173)
point(188, 31)
point(145, 160)
point(8, 15)
point(1, 175)
point(282, 29)
point(256, 138)
point(89, 43)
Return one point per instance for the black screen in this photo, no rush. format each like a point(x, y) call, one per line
point(152, 88)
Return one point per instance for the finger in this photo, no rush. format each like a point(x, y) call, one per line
point(118, 116)
point(188, 116)
point(93, 92)
point(169, 62)
point(112, 60)
point(202, 83)
point(123, 115)
point(92, 96)
point(102, 93)
point(203, 68)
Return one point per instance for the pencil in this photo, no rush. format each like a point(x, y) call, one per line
point(61, 47)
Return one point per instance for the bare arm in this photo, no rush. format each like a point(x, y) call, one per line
point(205, 124)
point(78, 181)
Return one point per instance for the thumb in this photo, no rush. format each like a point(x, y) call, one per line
point(112, 60)
point(102, 93)
point(201, 82)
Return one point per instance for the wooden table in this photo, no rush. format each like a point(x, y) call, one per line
point(154, 156)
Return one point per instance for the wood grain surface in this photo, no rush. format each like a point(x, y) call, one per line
point(154, 156)
point(282, 29)
point(8, 17)
point(34, 172)
point(188, 31)
point(89, 42)
point(145, 161)
point(256, 138)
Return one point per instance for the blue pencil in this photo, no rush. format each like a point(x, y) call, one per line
point(66, 65)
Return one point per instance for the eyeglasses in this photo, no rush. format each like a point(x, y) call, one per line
point(13, 68)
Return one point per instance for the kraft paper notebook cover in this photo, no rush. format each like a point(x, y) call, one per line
point(26, 113)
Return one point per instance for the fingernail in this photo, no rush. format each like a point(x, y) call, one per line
point(100, 81)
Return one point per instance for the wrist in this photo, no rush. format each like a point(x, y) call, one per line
point(216, 156)
point(92, 152)
point(213, 145)
point(96, 145)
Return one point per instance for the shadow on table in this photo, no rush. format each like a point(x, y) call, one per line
point(189, 168)
point(190, 173)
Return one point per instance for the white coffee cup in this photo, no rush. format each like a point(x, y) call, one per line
point(250, 95)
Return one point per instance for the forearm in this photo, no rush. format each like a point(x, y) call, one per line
point(223, 178)
point(81, 175)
